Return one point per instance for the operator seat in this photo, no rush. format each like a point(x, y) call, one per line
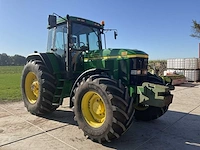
point(77, 61)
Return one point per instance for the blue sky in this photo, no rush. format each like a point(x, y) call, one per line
point(159, 27)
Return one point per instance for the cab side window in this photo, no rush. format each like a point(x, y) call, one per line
point(57, 40)
point(60, 39)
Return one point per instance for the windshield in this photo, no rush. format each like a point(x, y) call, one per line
point(85, 37)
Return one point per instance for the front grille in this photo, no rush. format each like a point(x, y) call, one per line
point(138, 64)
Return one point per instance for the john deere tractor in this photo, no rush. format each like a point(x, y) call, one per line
point(107, 88)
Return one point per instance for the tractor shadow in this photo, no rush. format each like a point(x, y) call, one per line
point(174, 130)
point(62, 116)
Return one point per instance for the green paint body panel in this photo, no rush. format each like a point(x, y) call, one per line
point(63, 86)
point(147, 93)
point(109, 59)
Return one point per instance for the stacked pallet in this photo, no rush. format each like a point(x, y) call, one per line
point(189, 67)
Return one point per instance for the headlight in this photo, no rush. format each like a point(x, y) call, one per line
point(135, 72)
point(144, 72)
point(138, 72)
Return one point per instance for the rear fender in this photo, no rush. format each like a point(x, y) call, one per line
point(46, 58)
point(41, 56)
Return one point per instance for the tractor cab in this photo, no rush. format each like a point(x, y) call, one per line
point(70, 37)
point(73, 34)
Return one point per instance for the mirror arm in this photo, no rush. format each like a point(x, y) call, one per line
point(115, 32)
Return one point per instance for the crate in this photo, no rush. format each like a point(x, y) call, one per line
point(176, 63)
point(170, 63)
point(191, 63)
point(179, 63)
point(192, 75)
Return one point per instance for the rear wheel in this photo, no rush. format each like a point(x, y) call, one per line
point(102, 108)
point(147, 113)
point(38, 86)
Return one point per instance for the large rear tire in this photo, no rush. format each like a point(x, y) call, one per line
point(38, 87)
point(102, 108)
point(148, 113)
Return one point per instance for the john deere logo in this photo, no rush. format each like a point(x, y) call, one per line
point(123, 53)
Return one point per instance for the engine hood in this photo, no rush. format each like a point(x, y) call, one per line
point(115, 54)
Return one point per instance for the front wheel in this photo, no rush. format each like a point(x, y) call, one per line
point(148, 113)
point(102, 108)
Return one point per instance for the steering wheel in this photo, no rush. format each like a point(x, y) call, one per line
point(83, 47)
point(81, 43)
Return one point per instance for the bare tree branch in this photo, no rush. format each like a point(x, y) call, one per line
point(195, 29)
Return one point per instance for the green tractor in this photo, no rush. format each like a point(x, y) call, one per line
point(107, 87)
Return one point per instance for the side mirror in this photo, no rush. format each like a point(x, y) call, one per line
point(115, 34)
point(52, 21)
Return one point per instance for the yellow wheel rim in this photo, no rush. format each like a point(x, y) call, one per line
point(93, 109)
point(32, 87)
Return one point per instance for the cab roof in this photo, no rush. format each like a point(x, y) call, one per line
point(78, 19)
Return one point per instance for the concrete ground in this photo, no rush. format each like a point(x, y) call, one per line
point(178, 129)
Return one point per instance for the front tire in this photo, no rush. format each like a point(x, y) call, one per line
point(102, 108)
point(38, 86)
point(151, 113)
point(148, 113)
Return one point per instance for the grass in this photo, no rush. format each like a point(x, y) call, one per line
point(10, 78)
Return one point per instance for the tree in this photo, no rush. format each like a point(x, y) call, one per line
point(16, 60)
point(196, 29)
point(4, 59)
